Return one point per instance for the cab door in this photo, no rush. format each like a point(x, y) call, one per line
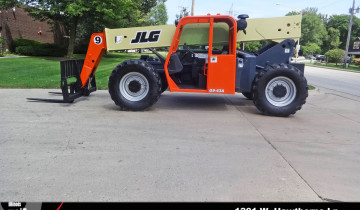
point(221, 66)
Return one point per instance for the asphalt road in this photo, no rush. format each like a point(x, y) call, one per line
point(187, 147)
point(340, 81)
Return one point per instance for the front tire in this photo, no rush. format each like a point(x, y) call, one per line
point(248, 95)
point(280, 90)
point(164, 84)
point(134, 85)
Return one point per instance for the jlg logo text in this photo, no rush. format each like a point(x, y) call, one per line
point(141, 37)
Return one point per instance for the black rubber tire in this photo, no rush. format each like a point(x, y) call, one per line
point(148, 72)
point(273, 71)
point(248, 95)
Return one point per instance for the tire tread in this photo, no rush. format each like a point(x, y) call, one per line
point(113, 81)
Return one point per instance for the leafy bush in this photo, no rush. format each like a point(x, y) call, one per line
point(51, 50)
point(35, 48)
point(334, 56)
point(252, 46)
point(42, 50)
point(2, 41)
point(25, 50)
point(352, 58)
point(24, 42)
point(81, 47)
point(311, 49)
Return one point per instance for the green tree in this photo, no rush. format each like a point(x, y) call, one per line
point(86, 13)
point(334, 37)
point(341, 23)
point(311, 49)
point(2, 41)
point(137, 14)
point(313, 26)
point(313, 29)
point(310, 10)
point(158, 14)
point(252, 46)
point(144, 6)
point(335, 56)
point(71, 13)
point(293, 13)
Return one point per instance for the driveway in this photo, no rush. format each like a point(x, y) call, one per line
point(187, 147)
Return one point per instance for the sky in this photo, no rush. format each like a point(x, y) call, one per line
point(258, 8)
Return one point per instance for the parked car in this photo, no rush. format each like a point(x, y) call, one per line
point(320, 57)
point(309, 57)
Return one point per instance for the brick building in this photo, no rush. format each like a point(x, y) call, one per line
point(16, 23)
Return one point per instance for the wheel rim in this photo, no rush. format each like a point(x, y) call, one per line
point(134, 86)
point(280, 91)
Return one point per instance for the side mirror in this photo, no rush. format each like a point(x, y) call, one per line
point(241, 23)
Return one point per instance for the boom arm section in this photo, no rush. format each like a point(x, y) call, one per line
point(276, 29)
point(96, 50)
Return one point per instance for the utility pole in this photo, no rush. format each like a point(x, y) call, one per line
point(349, 34)
point(192, 7)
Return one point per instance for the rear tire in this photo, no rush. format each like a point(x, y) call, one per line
point(280, 90)
point(134, 85)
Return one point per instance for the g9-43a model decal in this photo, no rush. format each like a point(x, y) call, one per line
point(143, 37)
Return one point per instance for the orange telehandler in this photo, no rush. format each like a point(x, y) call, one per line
point(202, 58)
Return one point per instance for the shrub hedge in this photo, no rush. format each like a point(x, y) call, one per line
point(35, 48)
point(2, 41)
point(335, 55)
point(24, 42)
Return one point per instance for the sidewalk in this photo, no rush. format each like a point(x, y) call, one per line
point(14, 56)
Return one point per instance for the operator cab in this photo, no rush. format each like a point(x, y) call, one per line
point(202, 55)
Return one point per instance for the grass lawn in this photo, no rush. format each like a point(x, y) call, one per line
point(44, 72)
point(311, 87)
point(334, 66)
